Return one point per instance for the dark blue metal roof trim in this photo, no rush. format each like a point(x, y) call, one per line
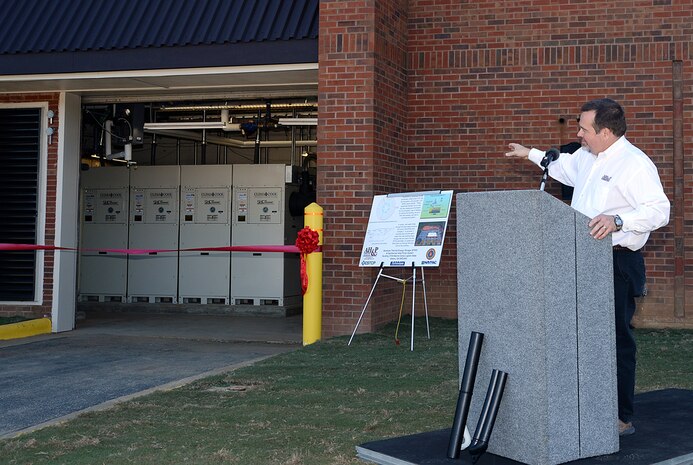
point(39, 36)
point(254, 53)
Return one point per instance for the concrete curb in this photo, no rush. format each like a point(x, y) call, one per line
point(25, 328)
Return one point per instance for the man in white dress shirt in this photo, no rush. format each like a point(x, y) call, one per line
point(618, 187)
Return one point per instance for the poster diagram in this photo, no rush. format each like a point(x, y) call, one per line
point(405, 229)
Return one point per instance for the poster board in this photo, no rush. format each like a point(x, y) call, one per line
point(406, 228)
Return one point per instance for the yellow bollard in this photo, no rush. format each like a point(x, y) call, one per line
point(312, 299)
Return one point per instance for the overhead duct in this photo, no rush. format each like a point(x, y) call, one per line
point(194, 136)
point(225, 124)
point(298, 121)
point(240, 107)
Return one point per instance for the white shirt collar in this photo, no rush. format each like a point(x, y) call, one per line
point(613, 147)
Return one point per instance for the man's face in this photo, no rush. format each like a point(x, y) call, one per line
point(594, 141)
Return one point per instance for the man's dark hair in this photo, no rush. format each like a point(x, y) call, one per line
point(608, 114)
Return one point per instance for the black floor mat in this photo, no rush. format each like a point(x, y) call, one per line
point(664, 433)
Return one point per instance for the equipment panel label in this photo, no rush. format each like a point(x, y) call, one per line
point(155, 206)
point(161, 206)
point(105, 206)
point(265, 205)
point(212, 205)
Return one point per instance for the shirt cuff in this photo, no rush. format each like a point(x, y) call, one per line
point(536, 156)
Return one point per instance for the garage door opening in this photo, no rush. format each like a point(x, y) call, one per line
point(171, 182)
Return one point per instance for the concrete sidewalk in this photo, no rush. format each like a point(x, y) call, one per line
point(115, 357)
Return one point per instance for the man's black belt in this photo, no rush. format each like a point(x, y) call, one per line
point(620, 248)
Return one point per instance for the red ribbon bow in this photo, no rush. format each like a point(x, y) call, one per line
point(307, 242)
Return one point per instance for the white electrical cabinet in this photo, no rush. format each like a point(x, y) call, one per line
point(261, 217)
point(205, 221)
point(103, 225)
point(154, 211)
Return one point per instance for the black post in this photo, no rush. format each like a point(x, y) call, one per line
point(256, 154)
point(488, 414)
point(465, 396)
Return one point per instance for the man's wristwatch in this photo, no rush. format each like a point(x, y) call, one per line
point(618, 222)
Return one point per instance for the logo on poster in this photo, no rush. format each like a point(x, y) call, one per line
point(371, 251)
point(430, 254)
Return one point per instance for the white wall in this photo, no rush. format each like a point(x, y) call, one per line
point(66, 214)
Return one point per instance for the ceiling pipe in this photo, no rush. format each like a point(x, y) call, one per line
point(249, 107)
point(194, 136)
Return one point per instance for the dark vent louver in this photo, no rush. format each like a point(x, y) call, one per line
point(20, 136)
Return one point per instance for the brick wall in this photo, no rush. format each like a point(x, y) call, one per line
point(484, 74)
point(48, 203)
point(478, 76)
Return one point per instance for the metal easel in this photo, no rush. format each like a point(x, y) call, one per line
point(413, 300)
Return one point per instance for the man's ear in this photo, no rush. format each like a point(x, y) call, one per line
point(606, 133)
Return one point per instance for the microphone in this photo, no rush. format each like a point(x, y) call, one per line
point(551, 155)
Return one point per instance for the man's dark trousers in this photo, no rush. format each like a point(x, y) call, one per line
point(629, 283)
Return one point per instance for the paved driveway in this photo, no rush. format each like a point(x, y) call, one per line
point(50, 378)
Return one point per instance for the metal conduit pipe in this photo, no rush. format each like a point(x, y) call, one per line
point(247, 107)
point(678, 202)
point(293, 141)
point(191, 135)
point(177, 151)
point(152, 156)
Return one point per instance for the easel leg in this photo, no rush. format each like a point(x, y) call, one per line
point(423, 284)
point(413, 301)
point(380, 272)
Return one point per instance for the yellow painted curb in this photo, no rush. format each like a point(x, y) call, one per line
point(25, 328)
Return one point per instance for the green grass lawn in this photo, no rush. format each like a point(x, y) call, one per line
point(310, 406)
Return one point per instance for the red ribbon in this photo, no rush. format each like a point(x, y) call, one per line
point(31, 247)
point(307, 242)
point(234, 248)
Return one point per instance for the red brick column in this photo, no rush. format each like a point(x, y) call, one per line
point(361, 144)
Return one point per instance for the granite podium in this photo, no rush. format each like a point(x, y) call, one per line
point(540, 288)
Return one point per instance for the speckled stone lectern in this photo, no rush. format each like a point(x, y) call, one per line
point(540, 288)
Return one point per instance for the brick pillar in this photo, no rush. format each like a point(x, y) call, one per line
point(361, 139)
